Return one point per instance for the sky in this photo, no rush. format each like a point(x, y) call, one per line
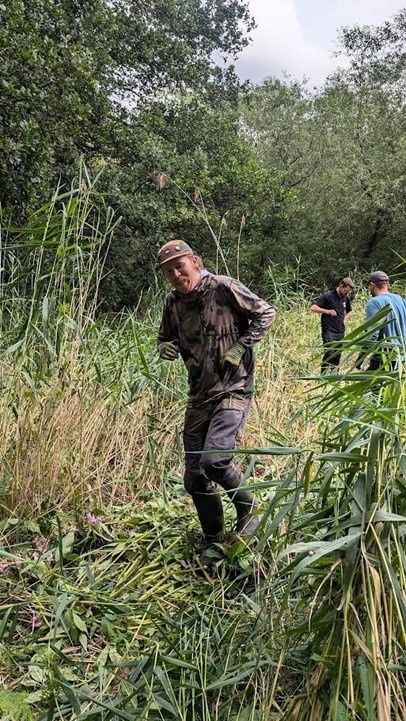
point(298, 37)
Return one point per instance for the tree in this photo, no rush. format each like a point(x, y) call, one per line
point(281, 121)
point(53, 106)
point(376, 54)
point(66, 65)
point(168, 45)
point(341, 154)
point(185, 171)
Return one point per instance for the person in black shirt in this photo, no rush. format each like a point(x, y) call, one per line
point(334, 306)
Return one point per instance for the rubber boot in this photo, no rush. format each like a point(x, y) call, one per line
point(210, 511)
point(245, 504)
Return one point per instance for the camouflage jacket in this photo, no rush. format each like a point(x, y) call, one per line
point(208, 321)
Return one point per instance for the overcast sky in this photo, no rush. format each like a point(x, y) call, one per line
point(299, 36)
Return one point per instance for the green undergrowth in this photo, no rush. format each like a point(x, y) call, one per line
point(105, 611)
point(112, 616)
point(14, 706)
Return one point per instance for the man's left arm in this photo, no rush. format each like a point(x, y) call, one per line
point(260, 314)
point(348, 310)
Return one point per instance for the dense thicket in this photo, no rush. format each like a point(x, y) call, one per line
point(282, 176)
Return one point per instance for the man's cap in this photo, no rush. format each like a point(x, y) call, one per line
point(378, 276)
point(349, 282)
point(173, 249)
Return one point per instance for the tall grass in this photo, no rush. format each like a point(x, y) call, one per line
point(105, 613)
point(78, 396)
point(89, 413)
point(348, 563)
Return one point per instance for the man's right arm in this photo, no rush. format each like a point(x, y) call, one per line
point(318, 309)
point(168, 348)
point(373, 306)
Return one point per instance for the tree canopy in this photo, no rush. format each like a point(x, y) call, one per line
point(284, 177)
point(70, 70)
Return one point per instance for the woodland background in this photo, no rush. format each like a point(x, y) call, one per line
point(310, 181)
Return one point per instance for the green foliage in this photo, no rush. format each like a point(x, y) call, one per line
point(125, 587)
point(348, 562)
point(53, 102)
point(284, 175)
point(339, 152)
point(376, 54)
point(67, 64)
point(205, 186)
point(51, 270)
point(122, 84)
point(14, 706)
point(105, 607)
point(168, 45)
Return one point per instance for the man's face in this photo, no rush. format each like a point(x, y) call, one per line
point(344, 290)
point(182, 273)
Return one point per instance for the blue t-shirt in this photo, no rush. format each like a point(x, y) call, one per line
point(395, 329)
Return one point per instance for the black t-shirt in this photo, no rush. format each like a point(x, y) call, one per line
point(342, 305)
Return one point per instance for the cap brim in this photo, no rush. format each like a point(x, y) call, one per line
point(174, 256)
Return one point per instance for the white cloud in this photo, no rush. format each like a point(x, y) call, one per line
point(279, 45)
point(299, 36)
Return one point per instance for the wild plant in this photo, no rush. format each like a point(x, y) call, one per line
point(347, 564)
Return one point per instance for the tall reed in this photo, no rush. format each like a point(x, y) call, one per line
point(347, 562)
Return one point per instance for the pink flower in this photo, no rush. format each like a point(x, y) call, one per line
point(3, 567)
point(36, 620)
point(92, 519)
point(41, 544)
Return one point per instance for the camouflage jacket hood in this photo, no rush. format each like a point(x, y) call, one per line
point(208, 321)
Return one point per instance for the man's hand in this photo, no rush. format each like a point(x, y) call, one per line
point(232, 357)
point(168, 350)
point(332, 312)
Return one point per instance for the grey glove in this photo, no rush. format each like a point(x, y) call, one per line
point(168, 350)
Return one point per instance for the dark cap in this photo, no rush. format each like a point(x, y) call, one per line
point(378, 276)
point(173, 249)
point(348, 282)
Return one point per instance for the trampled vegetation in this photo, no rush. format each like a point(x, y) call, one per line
point(105, 612)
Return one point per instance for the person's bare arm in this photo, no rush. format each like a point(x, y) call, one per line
point(317, 309)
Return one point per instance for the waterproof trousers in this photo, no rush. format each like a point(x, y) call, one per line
point(211, 433)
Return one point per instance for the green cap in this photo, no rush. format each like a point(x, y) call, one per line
point(173, 249)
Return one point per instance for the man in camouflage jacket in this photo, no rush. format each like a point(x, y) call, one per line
point(212, 322)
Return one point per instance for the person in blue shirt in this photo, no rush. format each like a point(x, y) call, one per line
point(394, 331)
